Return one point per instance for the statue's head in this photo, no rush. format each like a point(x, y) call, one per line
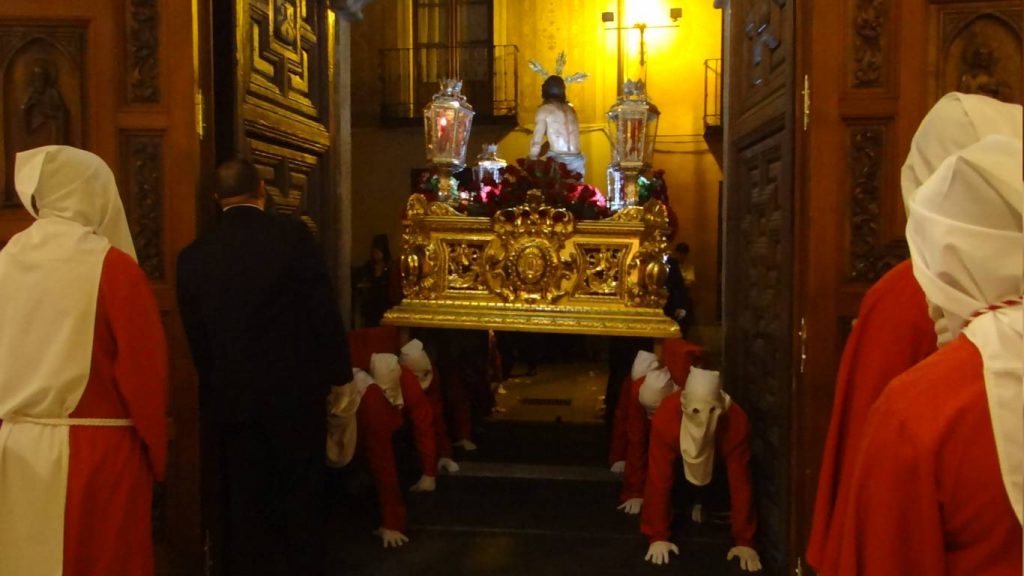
point(553, 89)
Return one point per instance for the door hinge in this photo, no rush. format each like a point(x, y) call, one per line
point(207, 555)
point(803, 344)
point(807, 101)
point(200, 114)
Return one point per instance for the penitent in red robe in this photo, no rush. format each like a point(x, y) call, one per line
point(436, 397)
point(678, 355)
point(732, 446)
point(107, 526)
point(926, 495)
point(893, 333)
point(378, 420)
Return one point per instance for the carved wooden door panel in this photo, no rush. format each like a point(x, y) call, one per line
point(760, 252)
point(273, 81)
point(875, 67)
point(96, 75)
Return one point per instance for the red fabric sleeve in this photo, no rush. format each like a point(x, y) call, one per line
point(663, 449)
point(617, 451)
point(376, 417)
point(436, 398)
point(418, 409)
point(894, 523)
point(638, 428)
point(732, 441)
point(893, 333)
point(140, 368)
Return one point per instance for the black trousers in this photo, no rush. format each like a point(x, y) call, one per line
point(273, 502)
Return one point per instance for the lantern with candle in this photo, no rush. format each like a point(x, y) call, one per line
point(633, 123)
point(447, 121)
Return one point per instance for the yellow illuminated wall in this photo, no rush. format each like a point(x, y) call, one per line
point(541, 28)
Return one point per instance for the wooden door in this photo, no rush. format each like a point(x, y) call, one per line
point(271, 74)
point(97, 75)
point(759, 253)
point(874, 68)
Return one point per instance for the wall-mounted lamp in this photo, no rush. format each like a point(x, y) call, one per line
point(607, 16)
point(675, 13)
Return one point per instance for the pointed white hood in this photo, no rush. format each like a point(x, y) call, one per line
point(415, 358)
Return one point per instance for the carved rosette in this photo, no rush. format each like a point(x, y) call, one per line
point(647, 269)
point(524, 261)
point(869, 29)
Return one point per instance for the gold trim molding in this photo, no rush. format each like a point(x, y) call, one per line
point(535, 268)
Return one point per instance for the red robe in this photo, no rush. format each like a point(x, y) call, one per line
point(732, 445)
point(893, 333)
point(107, 526)
point(377, 421)
point(638, 429)
point(926, 494)
point(620, 438)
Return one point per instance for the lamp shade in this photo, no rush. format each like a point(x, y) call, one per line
point(487, 162)
point(633, 123)
point(447, 121)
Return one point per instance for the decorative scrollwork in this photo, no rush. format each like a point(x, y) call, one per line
point(868, 24)
point(648, 264)
point(143, 46)
point(868, 260)
point(418, 255)
point(524, 262)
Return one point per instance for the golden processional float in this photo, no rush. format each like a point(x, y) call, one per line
point(532, 248)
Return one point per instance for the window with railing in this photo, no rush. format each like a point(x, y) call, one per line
point(451, 38)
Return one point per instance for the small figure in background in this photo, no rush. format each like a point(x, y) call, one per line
point(375, 283)
point(679, 283)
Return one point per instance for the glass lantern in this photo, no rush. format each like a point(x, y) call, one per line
point(616, 200)
point(447, 121)
point(488, 163)
point(633, 124)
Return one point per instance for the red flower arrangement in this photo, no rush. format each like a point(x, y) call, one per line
point(560, 187)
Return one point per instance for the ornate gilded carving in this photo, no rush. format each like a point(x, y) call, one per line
point(533, 267)
point(143, 50)
point(464, 265)
point(868, 259)
point(41, 98)
point(602, 269)
point(524, 261)
point(143, 162)
point(647, 269)
point(868, 26)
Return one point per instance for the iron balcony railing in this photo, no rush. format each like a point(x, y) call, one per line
point(712, 92)
point(411, 76)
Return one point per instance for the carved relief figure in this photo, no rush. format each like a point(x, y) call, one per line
point(979, 76)
point(43, 110)
point(284, 22)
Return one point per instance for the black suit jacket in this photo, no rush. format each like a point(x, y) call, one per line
point(263, 326)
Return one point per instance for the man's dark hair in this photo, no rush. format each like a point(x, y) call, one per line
point(236, 177)
point(683, 248)
point(553, 89)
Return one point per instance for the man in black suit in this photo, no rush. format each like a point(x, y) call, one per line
point(268, 341)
